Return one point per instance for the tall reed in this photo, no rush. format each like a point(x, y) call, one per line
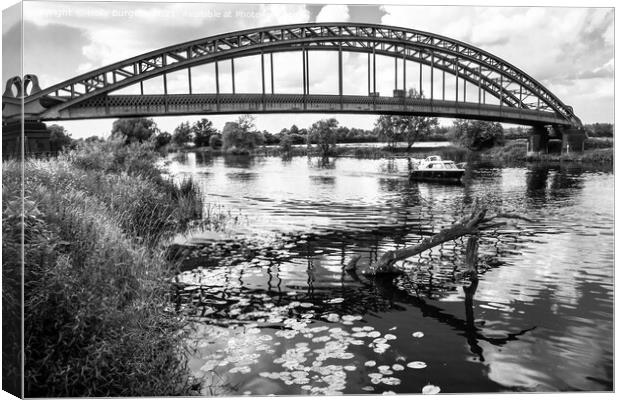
point(96, 276)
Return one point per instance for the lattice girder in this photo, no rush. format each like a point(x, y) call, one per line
point(490, 73)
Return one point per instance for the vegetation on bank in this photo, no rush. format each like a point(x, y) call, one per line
point(96, 277)
point(597, 151)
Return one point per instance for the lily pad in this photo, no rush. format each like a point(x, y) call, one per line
point(431, 389)
point(417, 334)
point(390, 381)
point(417, 364)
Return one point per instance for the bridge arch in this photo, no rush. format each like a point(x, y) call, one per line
point(514, 89)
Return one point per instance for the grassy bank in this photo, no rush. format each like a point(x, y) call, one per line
point(597, 152)
point(452, 152)
point(95, 272)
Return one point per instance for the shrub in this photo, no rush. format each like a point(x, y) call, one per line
point(477, 135)
point(286, 145)
point(134, 129)
point(59, 138)
point(238, 138)
point(95, 322)
point(598, 156)
point(323, 133)
point(514, 151)
point(162, 139)
point(215, 142)
point(598, 143)
point(182, 134)
point(203, 130)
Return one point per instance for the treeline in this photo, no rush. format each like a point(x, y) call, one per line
point(242, 136)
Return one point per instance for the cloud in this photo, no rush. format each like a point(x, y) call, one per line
point(560, 47)
point(117, 31)
point(43, 57)
point(333, 13)
point(568, 49)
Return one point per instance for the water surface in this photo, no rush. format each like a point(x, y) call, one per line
point(292, 321)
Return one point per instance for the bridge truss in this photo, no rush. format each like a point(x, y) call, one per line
point(520, 98)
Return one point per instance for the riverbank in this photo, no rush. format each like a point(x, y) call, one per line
point(365, 152)
point(514, 152)
point(598, 151)
point(96, 321)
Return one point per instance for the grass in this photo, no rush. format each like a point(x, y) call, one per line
point(96, 276)
point(515, 152)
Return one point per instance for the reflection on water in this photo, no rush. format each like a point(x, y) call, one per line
point(539, 318)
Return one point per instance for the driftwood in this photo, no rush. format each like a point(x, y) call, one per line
point(473, 224)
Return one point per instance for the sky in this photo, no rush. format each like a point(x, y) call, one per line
point(570, 50)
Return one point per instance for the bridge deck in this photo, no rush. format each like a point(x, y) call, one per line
point(114, 106)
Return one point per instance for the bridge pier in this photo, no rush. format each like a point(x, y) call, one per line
point(36, 138)
point(573, 140)
point(538, 140)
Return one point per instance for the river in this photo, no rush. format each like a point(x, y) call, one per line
point(292, 321)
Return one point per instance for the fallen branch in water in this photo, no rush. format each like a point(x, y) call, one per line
point(472, 224)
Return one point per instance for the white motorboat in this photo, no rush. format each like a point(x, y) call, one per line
point(433, 168)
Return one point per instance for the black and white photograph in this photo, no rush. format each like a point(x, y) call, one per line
point(216, 199)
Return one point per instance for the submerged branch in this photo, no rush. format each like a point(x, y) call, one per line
point(472, 224)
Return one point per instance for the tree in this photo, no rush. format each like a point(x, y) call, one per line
point(182, 134)
point(135, 129)
point(59, 138)
point(247, 122)
point(477, 135)
point(241, 136)
point(203, 130)
point(286, 146)
point(387, 128)
point(323, 133)
point(405, 127)
point(215, 142)
point(416, 126)
point(600, 129)
point(270, 138)
point(94, 139)
point(162, 139)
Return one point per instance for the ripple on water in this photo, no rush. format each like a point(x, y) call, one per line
point(539, 301)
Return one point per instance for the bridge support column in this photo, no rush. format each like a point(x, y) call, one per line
point(538, 140)
point(36, 138)
point(573, 140)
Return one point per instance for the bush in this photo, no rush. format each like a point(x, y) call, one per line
point(203, 130)
point(134, 129)
point(162, 139)
point(286, 145)
point(114, 156)
point(477, 135)
point(215, 142)
point(515, 151)
point(598, 143)
point(323, 133)
point(182, 134)
point(59, 138)
point(237, 138)
point(95, 291)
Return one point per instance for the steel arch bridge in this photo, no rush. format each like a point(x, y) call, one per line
point(519, 98)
